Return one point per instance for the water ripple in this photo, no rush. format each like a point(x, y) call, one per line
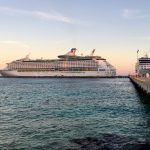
point(49, 113)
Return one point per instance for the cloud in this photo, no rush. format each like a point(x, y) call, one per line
point(39, 14)
point(56, 16)
point(132, 14)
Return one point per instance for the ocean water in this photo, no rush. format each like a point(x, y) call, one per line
point(48, 113)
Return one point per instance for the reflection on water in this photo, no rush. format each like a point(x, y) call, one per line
point(145, 102)
point(145, 99)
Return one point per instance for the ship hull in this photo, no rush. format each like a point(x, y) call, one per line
point(14, 73)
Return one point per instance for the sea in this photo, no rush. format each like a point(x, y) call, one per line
point(47, 113)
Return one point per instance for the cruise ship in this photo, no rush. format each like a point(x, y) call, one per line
point(68, 65)
point(143, 66)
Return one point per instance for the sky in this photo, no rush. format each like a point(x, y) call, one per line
point(48, 28)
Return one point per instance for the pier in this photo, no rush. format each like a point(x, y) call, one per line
point(142, 83)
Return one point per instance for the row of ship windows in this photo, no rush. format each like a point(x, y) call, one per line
point(76, 62)
point(145, 67)
point(57, 69)
point(40, 66)
point(54, 63)
point(144, 64)
point(62, 69)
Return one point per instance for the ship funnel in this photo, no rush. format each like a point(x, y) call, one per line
point(72, 52)
point(92, 53)
point(27, 57)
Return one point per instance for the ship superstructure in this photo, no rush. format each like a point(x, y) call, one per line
point(143, 66)
point(68, 65)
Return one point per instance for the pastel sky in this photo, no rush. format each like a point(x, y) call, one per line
point(47, 28)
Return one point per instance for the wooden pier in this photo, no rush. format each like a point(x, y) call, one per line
point(142, 83)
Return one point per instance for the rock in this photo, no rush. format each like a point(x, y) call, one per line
point(85, 141)
point(111, 142)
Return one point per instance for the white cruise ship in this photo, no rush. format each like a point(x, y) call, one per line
point(143, 66)
point(68, 65)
